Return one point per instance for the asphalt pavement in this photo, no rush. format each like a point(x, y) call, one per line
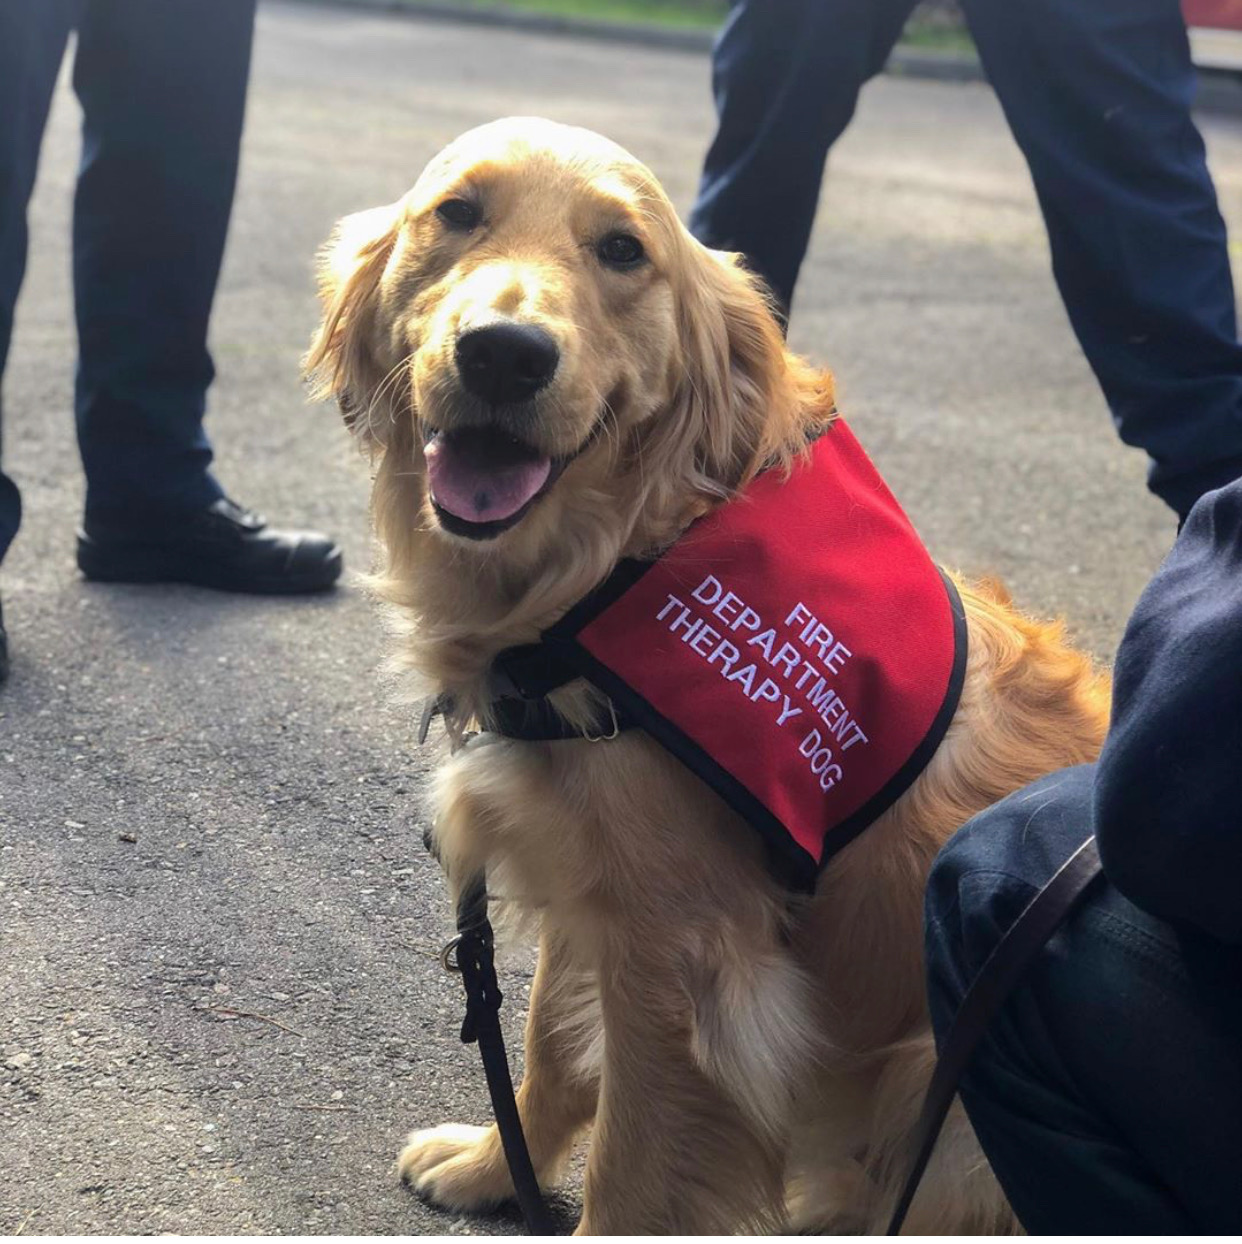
point(221, 1009)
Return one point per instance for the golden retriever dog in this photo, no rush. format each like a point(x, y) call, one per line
point(551, 374)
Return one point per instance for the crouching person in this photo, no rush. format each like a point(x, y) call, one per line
point(1107, 1093)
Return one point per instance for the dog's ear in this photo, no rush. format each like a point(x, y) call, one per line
point(746, 397)
point(346, 360)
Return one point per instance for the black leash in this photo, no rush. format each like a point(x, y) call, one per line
point(1002, 970)
point(472, 954)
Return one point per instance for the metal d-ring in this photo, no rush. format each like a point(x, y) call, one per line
point(447, 960)
point(612, 734)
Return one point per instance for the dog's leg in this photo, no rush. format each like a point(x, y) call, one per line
point(672, 1151)
point(463, 1168)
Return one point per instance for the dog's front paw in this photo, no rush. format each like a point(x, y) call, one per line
point(457, 1167)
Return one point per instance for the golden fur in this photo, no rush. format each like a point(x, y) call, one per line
point(734, 1077)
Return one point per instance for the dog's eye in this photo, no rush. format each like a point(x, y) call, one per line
point(621, 250)
point(458, 213)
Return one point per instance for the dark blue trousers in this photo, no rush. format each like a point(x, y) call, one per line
point(162, 84)
point(1108, 1094)
point(1098, 94)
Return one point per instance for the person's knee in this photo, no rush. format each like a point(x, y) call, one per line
point(989, 871)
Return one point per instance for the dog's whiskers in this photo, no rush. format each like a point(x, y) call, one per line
point(382, 392)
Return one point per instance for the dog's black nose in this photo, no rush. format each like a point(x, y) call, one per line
point(506, 363)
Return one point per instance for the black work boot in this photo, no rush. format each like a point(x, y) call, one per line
point(224, 546)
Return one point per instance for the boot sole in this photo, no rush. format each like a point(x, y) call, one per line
point(147, 564)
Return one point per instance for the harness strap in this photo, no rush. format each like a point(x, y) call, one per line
point(523, 677)
point(474, 950)
point(988, 992)
point(537, 721)
point(530, 671)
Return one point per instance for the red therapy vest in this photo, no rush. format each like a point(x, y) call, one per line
point(797, 649)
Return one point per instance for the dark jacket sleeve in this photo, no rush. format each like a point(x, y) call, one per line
point(1168, 794)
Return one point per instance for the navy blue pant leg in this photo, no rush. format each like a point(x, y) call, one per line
point(33, 35)
point(786, 76)
point(1108, 1093)
point(163, 90)
point(1098, 95)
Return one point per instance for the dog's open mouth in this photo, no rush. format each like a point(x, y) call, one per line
point(482, 481)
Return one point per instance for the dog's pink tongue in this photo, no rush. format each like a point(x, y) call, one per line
point(480, 481)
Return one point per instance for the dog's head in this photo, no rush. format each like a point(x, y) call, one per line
point(532, 337)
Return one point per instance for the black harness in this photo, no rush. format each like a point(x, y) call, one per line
point(523, 678)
